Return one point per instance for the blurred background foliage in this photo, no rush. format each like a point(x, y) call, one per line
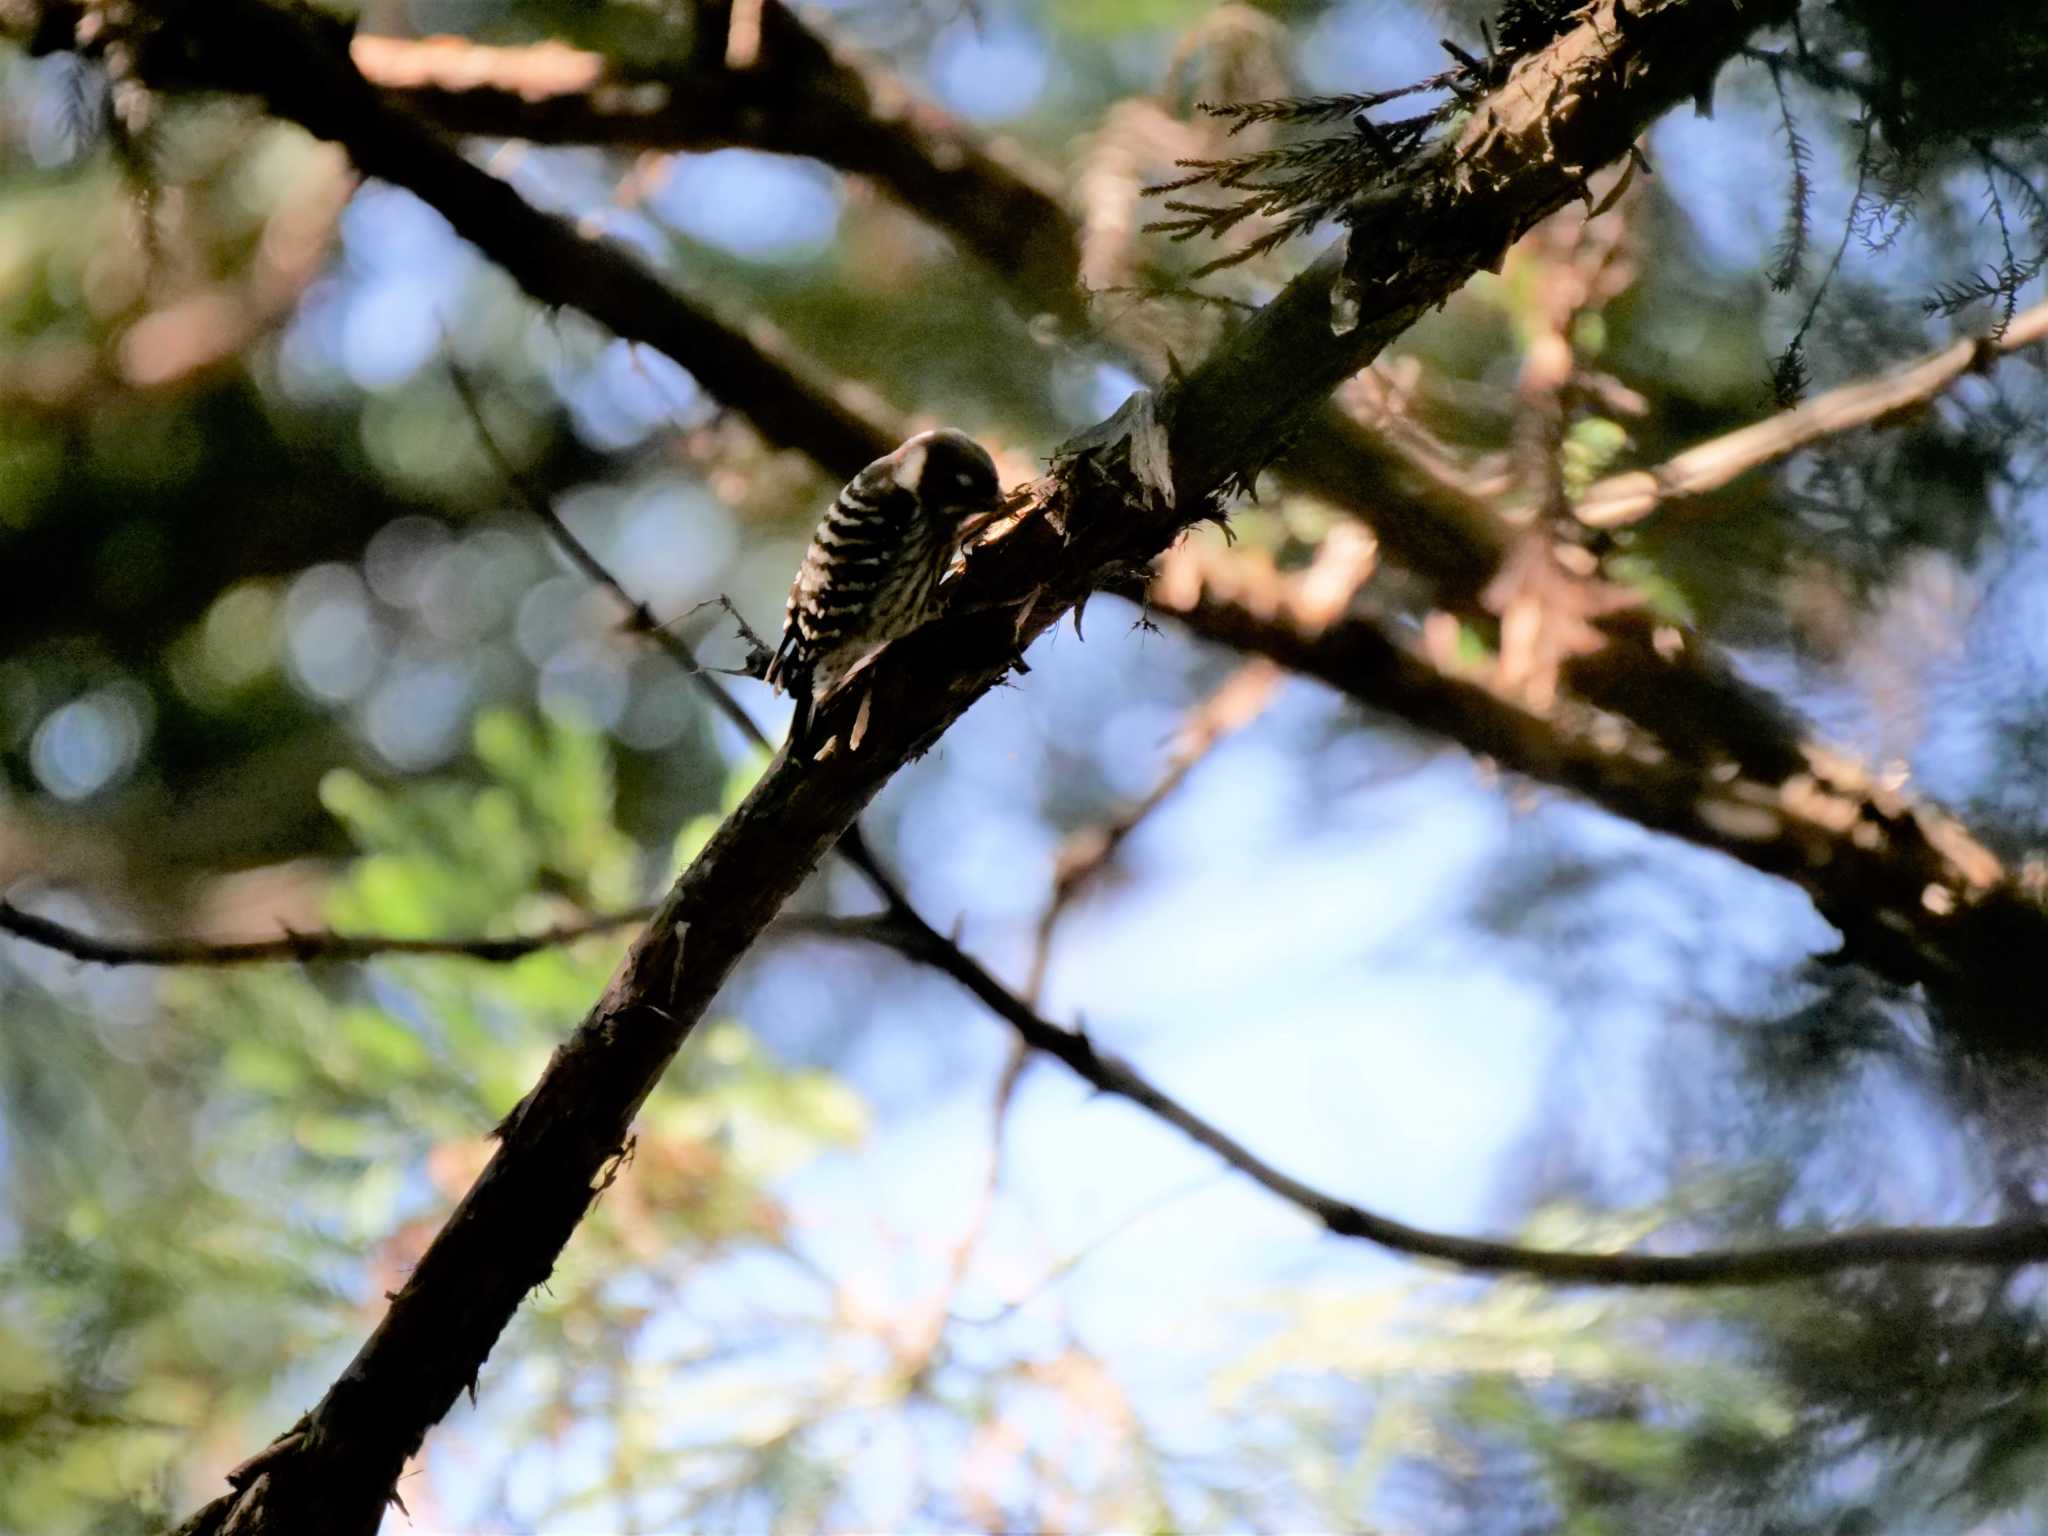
point(278, 648)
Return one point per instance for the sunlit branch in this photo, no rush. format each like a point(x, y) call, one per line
point(1914, 895)
point(802, 93)
point(1999, 1244)
point(1621, 499)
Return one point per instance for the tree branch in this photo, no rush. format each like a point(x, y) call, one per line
point(303, 74)
point(1998, 1244)
point(1622, 499)
point(1524, 150)
point(804, 93)
point(305, 948)
point(904, 932)
point(1914, 895)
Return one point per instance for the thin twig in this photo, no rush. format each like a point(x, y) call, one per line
point(918, 1359)
point(1089, 851)
point(1789, 374)
point(904, 932)
point(318, 945)
point(640, 620)
point(1086, 1251)
point(1998, 1244)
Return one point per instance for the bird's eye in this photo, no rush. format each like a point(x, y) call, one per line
point(963, 480)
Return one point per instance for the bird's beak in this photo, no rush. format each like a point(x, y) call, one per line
point(972, 525)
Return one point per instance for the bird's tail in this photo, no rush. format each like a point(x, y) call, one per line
point(789, 671)
point(800, 721)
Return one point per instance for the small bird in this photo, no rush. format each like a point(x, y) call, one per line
point(872, 572)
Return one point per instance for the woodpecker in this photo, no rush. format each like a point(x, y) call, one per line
point(872, 572)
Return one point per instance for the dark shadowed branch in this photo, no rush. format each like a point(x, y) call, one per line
point(302, 73)
point(904, 932)
point(1998, 1244)
point(306, 947)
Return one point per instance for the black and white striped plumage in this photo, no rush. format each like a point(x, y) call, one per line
point(873, 569)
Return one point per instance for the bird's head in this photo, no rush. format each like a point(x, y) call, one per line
point(952, 477)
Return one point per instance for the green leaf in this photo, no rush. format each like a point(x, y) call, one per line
point(1662, 595)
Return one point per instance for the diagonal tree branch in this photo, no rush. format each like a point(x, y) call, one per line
point(804, 93)
point(1998, 1244)
point(1622, 499)
point(303, 74)
point(1914, 895)
point(1524, 150)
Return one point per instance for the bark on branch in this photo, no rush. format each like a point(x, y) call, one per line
point(1915, 896)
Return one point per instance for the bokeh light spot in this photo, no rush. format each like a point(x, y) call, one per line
point(91, 743)
point(331, 637)
point(757, 206)
point(989, 73)
point(417, 716)
point(240, 634)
